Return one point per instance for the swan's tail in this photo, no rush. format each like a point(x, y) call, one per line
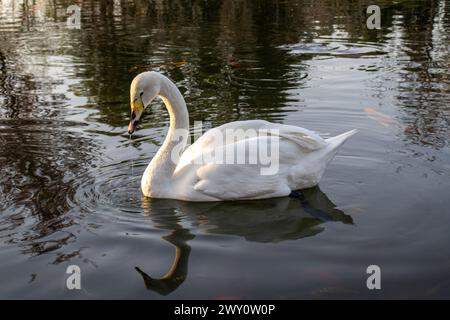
point(315, 163)
point(338, 140)
point(335, 142)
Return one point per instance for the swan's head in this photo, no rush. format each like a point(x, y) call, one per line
point(144, 88)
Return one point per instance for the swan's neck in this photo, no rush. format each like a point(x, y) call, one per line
point(165, 161)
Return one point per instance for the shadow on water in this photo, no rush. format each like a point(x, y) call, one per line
point(265, 221)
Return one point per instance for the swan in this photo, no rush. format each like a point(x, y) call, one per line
point(178, 171)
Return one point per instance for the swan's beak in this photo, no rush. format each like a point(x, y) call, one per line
point(132, 126)
point(137, 107)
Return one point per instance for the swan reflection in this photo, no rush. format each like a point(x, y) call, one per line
point(265, 221)
point(178, 271)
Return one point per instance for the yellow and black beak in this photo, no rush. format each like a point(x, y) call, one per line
point(137, 107)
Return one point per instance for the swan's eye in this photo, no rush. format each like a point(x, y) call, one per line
point(141, 94)
point(133, 115)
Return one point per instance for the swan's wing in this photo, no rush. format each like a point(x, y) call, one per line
point(229, 182)
point(212, 139)
point(255, 176)
point(306, 139)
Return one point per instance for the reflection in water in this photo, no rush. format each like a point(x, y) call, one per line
point(422, 52)
point(40, 161)
point(179, 269)
point(268, 220)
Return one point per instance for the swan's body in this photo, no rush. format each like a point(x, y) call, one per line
point(303, 154)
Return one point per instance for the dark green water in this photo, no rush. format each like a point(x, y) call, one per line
point(70, 175)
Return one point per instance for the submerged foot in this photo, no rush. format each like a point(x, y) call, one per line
point(297, 195)
point(315, 212)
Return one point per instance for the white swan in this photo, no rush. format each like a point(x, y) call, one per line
point(302, 154)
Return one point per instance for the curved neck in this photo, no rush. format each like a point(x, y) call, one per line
point(166, 159)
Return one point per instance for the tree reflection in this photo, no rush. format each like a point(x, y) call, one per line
point(41, 153)
point(423, 93)
point(191, 41)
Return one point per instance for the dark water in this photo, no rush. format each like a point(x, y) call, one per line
point(70, 175)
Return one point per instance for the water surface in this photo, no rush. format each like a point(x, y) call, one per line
point(70, 174)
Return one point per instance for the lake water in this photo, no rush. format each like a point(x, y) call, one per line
point(70, 174)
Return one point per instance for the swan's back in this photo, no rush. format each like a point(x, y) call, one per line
point(302, 159)
point(306, 139)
